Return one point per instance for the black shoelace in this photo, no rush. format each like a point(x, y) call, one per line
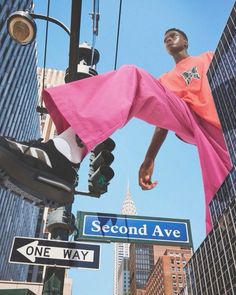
point(31, 143)
point(76, 168)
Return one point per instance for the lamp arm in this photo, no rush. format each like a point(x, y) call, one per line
point(52, 20)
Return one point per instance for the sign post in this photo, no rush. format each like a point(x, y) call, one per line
point(105, 227)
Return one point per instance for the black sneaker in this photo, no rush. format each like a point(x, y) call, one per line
point(38, 172)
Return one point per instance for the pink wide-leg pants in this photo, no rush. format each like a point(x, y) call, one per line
point(96, 107)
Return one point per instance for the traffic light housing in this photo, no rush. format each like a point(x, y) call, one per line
point(100, 171)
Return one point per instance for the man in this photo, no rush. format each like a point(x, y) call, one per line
point(88, 111)
point(179, 81)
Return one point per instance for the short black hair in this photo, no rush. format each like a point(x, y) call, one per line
point(179, 31)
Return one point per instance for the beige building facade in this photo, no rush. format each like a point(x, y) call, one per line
point(157, 269)
point(48, 78)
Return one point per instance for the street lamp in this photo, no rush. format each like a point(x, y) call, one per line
point(21, 27)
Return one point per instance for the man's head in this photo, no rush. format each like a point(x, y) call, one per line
point(175, 41)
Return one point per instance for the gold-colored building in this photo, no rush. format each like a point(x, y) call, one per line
point(48, 78)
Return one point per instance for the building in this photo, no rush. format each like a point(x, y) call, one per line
point(48, 78)
point(222, 79)
point(124, 277)
point(212, 269)
point(141, 265)
point(157, 269)
point(121, 253)
point(18, 119)
point(168, 276)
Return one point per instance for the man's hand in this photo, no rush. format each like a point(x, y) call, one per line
point(145, 174)
point(146, 169)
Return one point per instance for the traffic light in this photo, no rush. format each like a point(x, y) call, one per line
point(100, 171)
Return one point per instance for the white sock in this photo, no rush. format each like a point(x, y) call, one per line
point(66, 144)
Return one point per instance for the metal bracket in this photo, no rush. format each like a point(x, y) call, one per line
point(88, 194)
point(41, 110)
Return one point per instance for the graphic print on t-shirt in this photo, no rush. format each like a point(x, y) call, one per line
point(191, 74)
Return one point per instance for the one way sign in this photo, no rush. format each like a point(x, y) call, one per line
point(52, 252)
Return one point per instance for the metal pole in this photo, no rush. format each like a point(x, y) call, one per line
point(74, 39)
point(54, 277)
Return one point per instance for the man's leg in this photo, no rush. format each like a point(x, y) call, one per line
point(96, 107)
point(70, 145)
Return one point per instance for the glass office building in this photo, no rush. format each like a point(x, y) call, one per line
point(222, 78)
point(141, 265)
point(212, 270)
point(18, 119)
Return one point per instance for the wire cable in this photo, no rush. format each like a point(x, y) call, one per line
point(45, 56)
point(118, 35)
point(95, 16)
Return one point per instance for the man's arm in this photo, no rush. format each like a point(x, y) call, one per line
point(147, 167)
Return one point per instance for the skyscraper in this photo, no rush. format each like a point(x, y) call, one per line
point(167, 276)
point(141, 265)
point(124, 277)
point(157, 269)
point(121, 253)
point(18, 118)
point(212, 270)
point(222, 79)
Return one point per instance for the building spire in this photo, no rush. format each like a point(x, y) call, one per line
point(128, 207)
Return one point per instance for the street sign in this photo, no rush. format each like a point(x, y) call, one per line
point(55, 253)
point(105, 227)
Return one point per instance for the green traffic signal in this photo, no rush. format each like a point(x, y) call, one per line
point(100, 171)
point(107, 145)
point(101, 179)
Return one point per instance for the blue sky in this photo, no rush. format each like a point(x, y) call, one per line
point(179, 193)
